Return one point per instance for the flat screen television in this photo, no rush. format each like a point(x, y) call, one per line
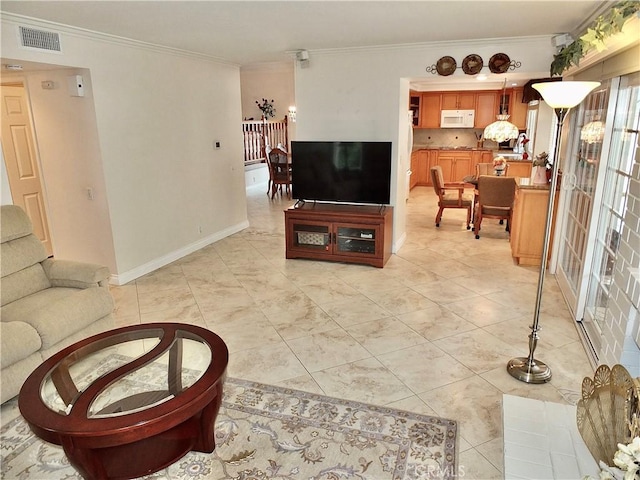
point(349, 172)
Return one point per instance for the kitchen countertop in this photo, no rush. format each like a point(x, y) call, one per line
point(508, 154)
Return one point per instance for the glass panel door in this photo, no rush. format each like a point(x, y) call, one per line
point(624, 140)
point(582, 184)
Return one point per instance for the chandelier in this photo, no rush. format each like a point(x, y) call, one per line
point(592, 132)
point(502, 129)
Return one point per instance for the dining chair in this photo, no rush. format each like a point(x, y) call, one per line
point(495, 200)
point(279, 171)
point(447, 199)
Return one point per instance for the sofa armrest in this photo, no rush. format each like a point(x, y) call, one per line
point(68, 273)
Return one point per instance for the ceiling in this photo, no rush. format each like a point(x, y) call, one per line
point(247, 32)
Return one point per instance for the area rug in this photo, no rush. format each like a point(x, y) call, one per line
point(265, 432)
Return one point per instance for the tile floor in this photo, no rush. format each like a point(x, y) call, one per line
point(431, 332)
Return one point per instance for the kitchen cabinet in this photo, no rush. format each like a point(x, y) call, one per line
point(528, 223)
point(430, 110)
point(420, 168)
point(518, 110)
point(480, 156)
point(520, 169)
point(458, 101)
point(486, 108)
point(414, 107)
point(433, 160)
point(455, 165)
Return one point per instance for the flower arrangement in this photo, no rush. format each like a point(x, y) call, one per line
point(541, 160)
point(499, 163)
point(266, 107)
point(627, 461)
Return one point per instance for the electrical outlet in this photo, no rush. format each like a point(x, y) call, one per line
point(90, 193)
point(199, 228)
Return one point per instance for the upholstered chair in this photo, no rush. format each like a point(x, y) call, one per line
point(495, 200)
point(450, 195)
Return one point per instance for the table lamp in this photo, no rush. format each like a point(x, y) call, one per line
point(561, 96)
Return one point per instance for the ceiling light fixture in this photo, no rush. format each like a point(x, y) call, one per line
point(592, 132)
point(502, 129)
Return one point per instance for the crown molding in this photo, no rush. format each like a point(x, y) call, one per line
point(15, 19)
point(484, 42)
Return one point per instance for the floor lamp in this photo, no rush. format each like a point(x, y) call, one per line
point(561, 96)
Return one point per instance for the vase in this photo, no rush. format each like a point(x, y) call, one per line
point(540, 177)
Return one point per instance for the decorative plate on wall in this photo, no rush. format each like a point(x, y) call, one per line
point(446, 66)
point(499, 63)
point(472, 64)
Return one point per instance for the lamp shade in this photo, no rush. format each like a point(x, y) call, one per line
point(501, 130)
point(564, 94)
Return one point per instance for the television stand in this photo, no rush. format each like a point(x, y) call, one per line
point(339, 233)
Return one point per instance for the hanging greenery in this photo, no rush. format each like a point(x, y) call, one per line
point(603, 27)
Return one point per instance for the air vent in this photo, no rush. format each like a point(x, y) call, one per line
point(40, 39)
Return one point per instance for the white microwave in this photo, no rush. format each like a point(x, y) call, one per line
point(457, 118)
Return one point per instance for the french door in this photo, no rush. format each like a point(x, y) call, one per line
point(624, 141)
point(595, 186)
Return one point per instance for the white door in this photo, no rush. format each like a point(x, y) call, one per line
point(613, 207)
point(21, 160)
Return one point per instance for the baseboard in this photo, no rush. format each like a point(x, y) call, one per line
point(129, 276)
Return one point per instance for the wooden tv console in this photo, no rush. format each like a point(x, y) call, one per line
point(339, 232)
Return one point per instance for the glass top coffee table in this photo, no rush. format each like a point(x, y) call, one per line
point(130, 401)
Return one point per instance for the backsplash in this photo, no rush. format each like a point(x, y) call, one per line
point(450, 137)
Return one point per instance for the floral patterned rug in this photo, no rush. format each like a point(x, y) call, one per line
point(264, 432)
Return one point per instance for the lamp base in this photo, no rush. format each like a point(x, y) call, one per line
point(534, 372)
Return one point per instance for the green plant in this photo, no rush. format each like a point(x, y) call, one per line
point(267, 108)
point(603, 27)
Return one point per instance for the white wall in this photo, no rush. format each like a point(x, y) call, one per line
point(273, 81)
point(70, 163)
point(157, 115)
point(362, 94)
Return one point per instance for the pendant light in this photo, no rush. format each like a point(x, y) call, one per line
point(502, 129)
point(592, 132)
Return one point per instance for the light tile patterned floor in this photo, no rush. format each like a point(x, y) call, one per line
point(431, 332)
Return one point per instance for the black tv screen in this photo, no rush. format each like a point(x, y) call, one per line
point(350, 172)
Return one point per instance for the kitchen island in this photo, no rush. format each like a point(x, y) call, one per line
point(529, 220)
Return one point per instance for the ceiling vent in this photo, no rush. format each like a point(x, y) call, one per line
point(40, 39)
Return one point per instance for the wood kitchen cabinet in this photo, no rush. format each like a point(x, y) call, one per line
point(430, 110)
point(480, 156)
point(520, 169)
point(419, 160)
point(518, 110)
point(486, 108)
point(433, 160)
point(458, 101)
point(455, 165)
point(528, 223)
point(415, 99)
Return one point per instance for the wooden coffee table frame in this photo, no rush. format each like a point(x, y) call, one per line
point(144, 441)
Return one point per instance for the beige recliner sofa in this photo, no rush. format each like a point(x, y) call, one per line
point(46, 304)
